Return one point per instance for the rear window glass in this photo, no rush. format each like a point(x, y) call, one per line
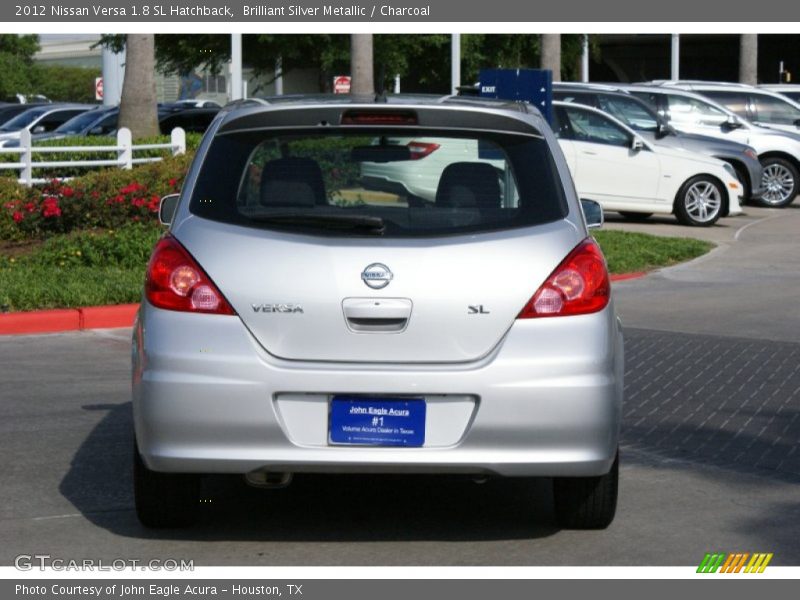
point(377, 183)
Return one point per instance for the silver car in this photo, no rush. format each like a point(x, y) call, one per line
point(295, 319)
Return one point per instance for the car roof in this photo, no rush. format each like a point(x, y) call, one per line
point(382, 100)
point(707, 86)
point(646, 87)
point(588, 86)
point(690, 83)
point(233, 111)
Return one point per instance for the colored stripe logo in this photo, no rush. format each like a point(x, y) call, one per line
point(734, 562)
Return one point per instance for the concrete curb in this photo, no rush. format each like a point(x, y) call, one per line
point(105, 317)
point(72, 319)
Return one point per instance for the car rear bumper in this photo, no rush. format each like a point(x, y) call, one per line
point(207, 398)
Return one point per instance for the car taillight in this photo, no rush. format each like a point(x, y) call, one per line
point(578, 286)
point(421, 149)
point(176, 282)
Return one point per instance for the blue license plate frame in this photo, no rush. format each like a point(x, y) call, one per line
point(377, 421)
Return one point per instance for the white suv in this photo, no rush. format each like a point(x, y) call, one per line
point(759, 106)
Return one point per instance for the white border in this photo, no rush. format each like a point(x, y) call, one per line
point(298, 573)
point(400, 27)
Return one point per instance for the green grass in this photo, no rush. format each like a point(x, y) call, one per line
point(627, 252)
point(92, 268)
point(79, 269)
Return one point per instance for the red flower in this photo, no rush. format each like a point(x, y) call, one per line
point(154, 204)
point(173, 182)
point(96, 195)
point(67, 191)
point(138, 202)
point(50, 208)
point(30, 207)
point(119, 199)
point(132, 188)
point(18, 216)
point(10, 205)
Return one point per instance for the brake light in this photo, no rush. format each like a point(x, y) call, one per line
point(578, 286)
point(379, 117)
point(176, 282)
point(421, 149)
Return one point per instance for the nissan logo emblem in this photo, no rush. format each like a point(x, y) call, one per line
point(377, 276)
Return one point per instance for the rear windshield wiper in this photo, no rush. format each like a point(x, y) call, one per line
point(365, 223)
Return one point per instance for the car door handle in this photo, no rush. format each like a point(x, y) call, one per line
point(589, 152)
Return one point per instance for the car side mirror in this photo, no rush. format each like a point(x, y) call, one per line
point(38, 129)
point(166, 210)
point(637, 144)
point(732, 122)
point(592, 213)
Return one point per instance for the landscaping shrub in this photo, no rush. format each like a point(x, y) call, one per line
point(107, 199)
point(84, 268)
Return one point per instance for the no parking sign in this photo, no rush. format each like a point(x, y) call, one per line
point(341, 84)
point(98, 88)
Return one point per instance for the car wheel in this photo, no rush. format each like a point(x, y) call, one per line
point(164, 499)
point(780, 181)
point(586, 502)
point(635, 216)
point(699, 202)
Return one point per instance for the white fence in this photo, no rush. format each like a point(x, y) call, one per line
point(123, 152)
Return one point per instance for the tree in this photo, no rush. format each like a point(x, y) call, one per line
point(361, 65)
point(511, 51)
point(137, 109)
point(551, 54)
point(16, 61)
point(64, 84)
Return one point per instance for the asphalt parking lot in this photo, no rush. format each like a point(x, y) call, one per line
point(710, 458)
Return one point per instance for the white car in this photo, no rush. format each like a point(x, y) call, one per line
point(419, 176)
point(614, 166)
point(759, 106)
point(689, 112)
point(790, 90)
point(40, 118)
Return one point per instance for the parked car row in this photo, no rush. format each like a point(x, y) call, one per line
point(751, 129)
point(56, 121)
point(695, 111)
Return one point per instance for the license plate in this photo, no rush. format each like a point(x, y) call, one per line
point(377, 421)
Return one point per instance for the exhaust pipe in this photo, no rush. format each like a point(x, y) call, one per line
point(268, 479)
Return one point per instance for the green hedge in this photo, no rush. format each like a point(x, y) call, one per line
point(107, 198)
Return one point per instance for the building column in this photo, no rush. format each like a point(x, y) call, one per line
point(748, 58)
point(675, 57)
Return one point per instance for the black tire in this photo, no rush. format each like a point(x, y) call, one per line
point(781, 182)
point(693, 208)
point(635, 216)
point(164, 500)
point(586, 502)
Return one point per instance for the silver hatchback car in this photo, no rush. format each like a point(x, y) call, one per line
point(301, 317)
